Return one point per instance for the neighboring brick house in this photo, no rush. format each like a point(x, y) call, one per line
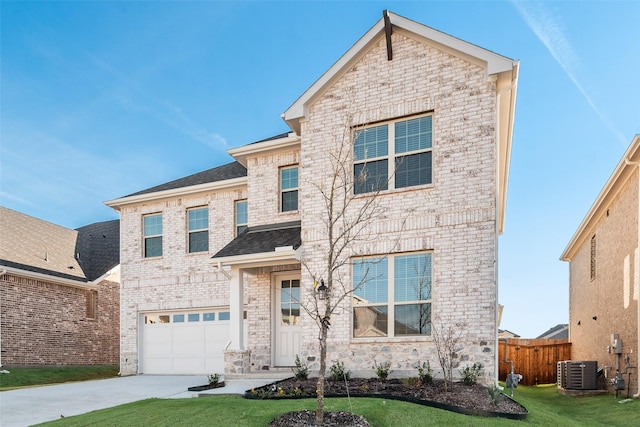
point(59, 292)
point(212, 272)
point(604, 275)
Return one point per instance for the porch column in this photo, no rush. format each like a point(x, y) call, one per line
point(236, 309)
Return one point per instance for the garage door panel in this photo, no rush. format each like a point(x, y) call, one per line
point(185, 347)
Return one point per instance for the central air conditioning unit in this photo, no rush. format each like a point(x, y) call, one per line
point(578, 374)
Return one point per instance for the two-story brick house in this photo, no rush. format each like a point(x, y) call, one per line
point(604, 276)
point(216, 265)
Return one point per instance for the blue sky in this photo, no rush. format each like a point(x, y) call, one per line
point(102, 99)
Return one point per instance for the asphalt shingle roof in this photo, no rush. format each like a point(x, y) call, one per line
point(31, 244)
point(98, 248)
point(229, 171)
point(263, 239)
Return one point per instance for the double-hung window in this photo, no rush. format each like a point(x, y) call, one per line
point(152, 232)
point(395, 154)
point(289, 189)
point(198, 230)
point(242, 216)
point(392, 295)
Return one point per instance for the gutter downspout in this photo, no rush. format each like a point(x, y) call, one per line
point(2, 273)
point(630, 163)
point(511, 87)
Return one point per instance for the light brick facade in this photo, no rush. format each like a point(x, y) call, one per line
point(455, 217)
point(604, 284)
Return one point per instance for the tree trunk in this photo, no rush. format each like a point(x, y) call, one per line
point(321, 375)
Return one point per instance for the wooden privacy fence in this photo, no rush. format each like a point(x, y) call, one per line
point(535, 359)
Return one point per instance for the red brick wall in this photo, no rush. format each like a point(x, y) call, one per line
point(608, 303)
point(45, 323)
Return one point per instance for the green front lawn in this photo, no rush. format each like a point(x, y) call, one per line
point(42, 375)
point(546, 407)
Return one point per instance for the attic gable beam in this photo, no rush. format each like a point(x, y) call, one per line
point(387, 32)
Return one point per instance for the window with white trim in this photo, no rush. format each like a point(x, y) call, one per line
point(392, 295)
point(242, 216)
point(289, 189)
point(152, 232)
point(395, 154)
point(198, 229)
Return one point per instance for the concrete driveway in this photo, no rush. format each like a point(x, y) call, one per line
point(28, 406)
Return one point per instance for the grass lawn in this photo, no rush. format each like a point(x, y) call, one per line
point(546, 407)
point(41, 375)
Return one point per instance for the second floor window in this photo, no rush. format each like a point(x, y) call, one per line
point(152, 232)
point(396, 154)
point(198, 230)
point(289, 189)
point(242, 216)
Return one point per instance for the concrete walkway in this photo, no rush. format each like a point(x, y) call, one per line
point(28, 406)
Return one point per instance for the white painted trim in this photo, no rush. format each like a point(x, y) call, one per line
point(262, 259)
point(240, 154)
point(608, 192)
point(178, 192)
point(51, 279)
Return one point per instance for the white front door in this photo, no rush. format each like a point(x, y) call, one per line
point(287, 320)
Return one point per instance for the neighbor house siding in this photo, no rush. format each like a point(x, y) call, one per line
point(45, 323)
point(455, 217)
point(607, 304)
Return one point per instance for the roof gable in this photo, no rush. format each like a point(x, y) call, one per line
point(494, 63)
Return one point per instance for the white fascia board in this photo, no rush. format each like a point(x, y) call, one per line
point(50, 279)
point(114, 270)
point(495, 63)
point(607, 194)
point(178, 192)
point(263, 259)
point(240, 154)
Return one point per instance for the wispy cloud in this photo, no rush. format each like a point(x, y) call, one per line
point(549, 30)
point(135, 99)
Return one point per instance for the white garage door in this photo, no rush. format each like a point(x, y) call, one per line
point(184, 342)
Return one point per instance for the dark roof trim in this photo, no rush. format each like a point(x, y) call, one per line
point(221, 173)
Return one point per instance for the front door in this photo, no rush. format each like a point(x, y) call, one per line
point(287, 320)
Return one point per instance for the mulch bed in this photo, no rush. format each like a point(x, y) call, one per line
point(470, 400)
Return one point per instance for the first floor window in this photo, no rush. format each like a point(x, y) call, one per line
point(395, 154)
point(152, 232)
point(289, 189)
point(198, 230)
point(392, 295)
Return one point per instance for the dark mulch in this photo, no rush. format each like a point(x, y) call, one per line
point(308, 419)
point(474, 399)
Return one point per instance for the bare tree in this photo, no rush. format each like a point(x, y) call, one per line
point(446, 337)
point(347, 220)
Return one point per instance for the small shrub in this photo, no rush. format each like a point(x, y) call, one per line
point(214, 379)
point(470, 374)
point(494, 394)
point(301, 370)
point(425, 373)
point(338, 372)
point(382, 370)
